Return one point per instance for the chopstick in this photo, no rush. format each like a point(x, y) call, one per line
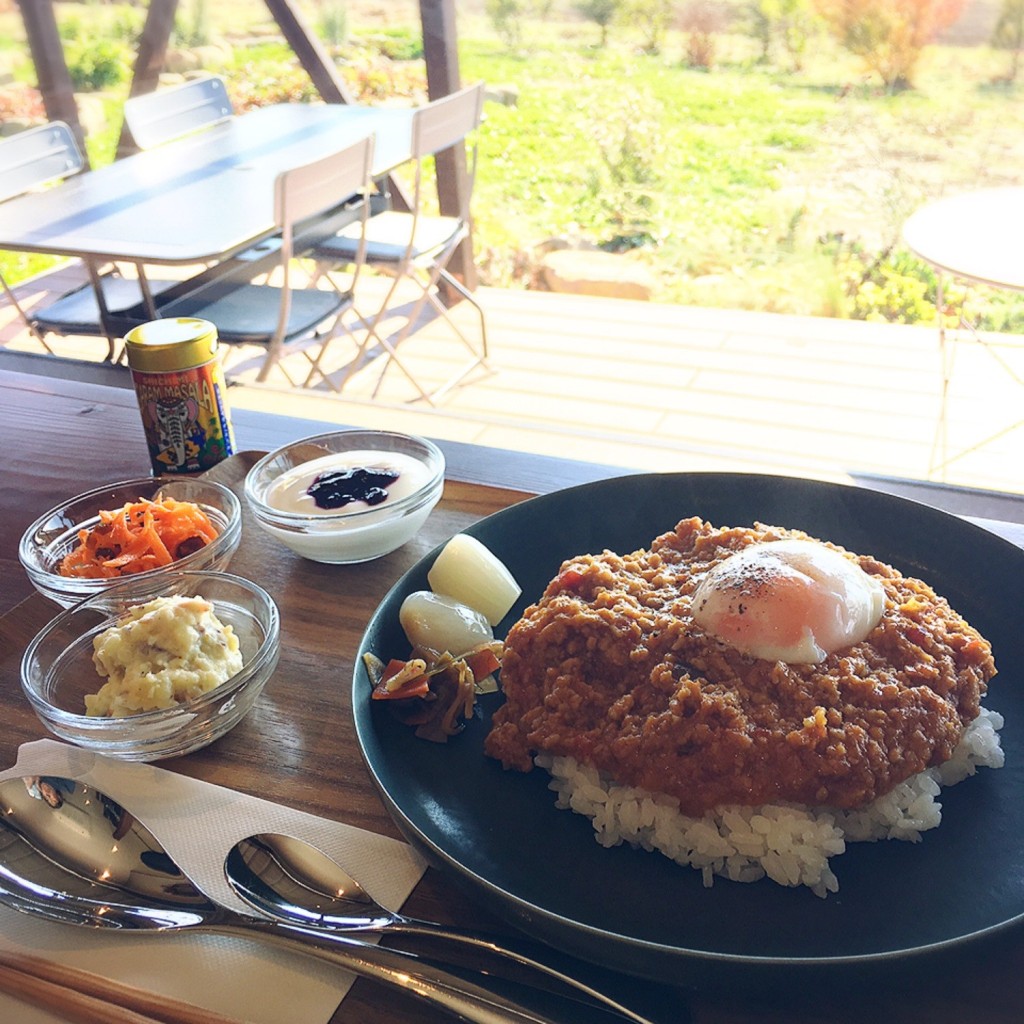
point(86, 998)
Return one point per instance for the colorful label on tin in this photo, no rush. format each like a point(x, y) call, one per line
point(185, 418)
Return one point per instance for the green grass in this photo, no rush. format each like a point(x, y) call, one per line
point(757, 175)
point(750, 185)
point(538, 158)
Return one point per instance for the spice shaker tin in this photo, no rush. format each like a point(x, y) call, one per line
point(180, 388)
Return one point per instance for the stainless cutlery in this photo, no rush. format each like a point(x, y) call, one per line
point(76, 856)
point(291, 880)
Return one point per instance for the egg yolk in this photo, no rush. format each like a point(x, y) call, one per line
point(794, 601)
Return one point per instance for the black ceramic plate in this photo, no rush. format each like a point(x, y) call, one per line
point(499, 834)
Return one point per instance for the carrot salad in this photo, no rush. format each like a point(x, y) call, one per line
point(140, 536)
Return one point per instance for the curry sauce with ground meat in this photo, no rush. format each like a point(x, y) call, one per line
point(610, 668)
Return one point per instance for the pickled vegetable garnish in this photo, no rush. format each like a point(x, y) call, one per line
point(433, 690)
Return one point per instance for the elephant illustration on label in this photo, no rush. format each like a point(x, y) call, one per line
point(176, 422)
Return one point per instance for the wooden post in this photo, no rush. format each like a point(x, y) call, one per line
point(150, 59)
point(311, 53)
point(320, 68)
point(440, 48)
point(51, 68)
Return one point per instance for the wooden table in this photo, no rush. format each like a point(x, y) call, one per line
point(61, 436)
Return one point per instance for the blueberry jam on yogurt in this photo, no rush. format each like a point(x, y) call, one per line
point(347, 482)
point(338, 487)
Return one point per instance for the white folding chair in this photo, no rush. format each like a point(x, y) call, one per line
point(157, 117)
point(37, 156)
point(40, 157)
point(29, 160)
point(309, 202)
point(418, 247)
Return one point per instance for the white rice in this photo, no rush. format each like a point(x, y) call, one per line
point(790, 844)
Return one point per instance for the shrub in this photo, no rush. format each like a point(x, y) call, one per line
point(1004, 312)
point(373, 77)
point(701, 21)
point(623, 187)
point(21, 102)
point(96, 65)
point(194, 30)
point(332, 24)
point(396, 43)
point(788, 23)
point(71, 27)
point(652, 18)
point(888, 293)
point(889, 35)
point(890, 285)
point(601, 12)
point(126, 24)
point(258, 85)
point(1008, 34)
point(506, 19)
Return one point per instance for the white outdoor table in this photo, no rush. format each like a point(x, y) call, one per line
point(197, 199)
point(976, 237)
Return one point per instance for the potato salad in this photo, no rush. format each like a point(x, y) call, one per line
point(162, 653)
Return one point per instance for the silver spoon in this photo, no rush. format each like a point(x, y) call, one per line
point(291, 880)
point(71, 854)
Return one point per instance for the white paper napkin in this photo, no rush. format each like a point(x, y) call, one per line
point(198, 823)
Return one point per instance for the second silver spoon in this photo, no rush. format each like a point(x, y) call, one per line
point(291, 880)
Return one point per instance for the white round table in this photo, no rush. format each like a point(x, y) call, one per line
point(975, 236)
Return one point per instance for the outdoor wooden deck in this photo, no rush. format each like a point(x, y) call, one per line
point(663, 387)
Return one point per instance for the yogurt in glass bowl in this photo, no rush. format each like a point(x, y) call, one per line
point(348, 496)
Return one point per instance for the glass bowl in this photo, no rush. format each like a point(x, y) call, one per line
point(54, 534)
point(57, 670)
point(339, 526)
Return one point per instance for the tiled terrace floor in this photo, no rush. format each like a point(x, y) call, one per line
point(665, 387)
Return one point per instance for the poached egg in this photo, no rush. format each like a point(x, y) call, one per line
point(795, 601)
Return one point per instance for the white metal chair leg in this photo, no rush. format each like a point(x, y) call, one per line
point(940, 444)
point(19, 309)
point(940, 457)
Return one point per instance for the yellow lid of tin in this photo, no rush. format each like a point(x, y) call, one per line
point(177, 343)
